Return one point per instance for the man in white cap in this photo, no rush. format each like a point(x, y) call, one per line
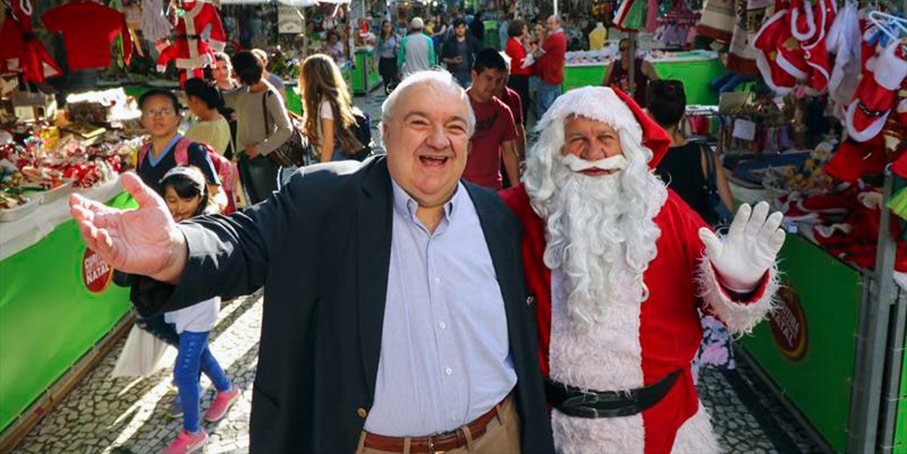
point(417, 50)
point(618, 265)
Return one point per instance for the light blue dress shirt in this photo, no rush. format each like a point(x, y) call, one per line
point(445, 353)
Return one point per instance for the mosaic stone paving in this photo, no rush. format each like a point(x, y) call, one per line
point(126, 415)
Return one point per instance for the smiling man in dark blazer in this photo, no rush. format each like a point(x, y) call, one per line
point(396, 317)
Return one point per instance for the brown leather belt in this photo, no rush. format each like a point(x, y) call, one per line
point(434, 444)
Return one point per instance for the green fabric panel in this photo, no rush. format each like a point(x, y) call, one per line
point(48, 318)
point(818, 383)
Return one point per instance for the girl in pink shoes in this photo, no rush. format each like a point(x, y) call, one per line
point(185, 192)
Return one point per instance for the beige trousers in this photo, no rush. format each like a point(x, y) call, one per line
point(501, 437)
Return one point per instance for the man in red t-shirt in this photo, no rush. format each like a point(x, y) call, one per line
point(550, 64)
point(495, 130)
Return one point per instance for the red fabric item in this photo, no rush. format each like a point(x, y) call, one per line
point(853, 159)
point(551, 63)
point(494, 126)
point(517, 55)
point(514, 102)
point(188, 51)
point(872, 102)
point(88, 31)
point(21, 51)
point(770, 37)
point(669, 329)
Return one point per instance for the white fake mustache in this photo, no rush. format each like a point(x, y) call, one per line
point(577, 164)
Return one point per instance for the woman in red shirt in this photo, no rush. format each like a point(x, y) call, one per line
point(518, 33)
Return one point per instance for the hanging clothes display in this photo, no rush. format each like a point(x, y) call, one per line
point(88, 29)
point(874, 98)
point(20, 49)
point(189, 50)
point(155, 26)
point(748, 17)
point(844, 41)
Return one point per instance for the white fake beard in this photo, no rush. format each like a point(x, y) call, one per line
point(602, 237)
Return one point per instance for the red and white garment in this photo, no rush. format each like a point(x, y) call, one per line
point(188, 50)
point(644, 341)
point(20, 49)
point(794, 46)
point(89, 29)
point(874, 98)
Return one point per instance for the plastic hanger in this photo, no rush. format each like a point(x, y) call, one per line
point(887, 24)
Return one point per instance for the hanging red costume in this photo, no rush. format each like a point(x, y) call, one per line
point(188, 50)
point(20, 49)
point(638, 344)
point(89, 30)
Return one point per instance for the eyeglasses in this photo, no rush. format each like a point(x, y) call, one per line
point(624, 49)
point(158, 113)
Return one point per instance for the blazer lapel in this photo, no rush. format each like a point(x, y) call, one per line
point(374, 224)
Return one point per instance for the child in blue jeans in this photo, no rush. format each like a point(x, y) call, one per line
point(186, 195)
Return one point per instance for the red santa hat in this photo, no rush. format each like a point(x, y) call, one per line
point(614, 107)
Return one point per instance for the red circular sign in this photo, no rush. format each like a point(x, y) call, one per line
point(96, 273)
point(788, 324)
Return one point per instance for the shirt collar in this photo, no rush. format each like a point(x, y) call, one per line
point(406, 206)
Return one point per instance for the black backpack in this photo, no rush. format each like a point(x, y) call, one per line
point(362, 131)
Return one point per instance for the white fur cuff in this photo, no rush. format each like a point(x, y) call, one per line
point(740, 317)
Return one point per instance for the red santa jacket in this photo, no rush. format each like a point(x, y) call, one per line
point(680, 279)
point(188, 49)
point(88, 31)
point(20, 49)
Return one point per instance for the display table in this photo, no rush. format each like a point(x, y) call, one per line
point(57, 300)
point(807, 346)
point(365, 75)
point(695, 69)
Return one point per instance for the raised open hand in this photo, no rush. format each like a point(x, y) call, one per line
point(748, 250)
point(142, 241)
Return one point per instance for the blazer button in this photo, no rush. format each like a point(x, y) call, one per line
point(362, 412)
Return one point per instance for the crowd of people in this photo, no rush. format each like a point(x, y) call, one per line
point(446, 295)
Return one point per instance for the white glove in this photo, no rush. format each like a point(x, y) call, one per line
point(748, 250)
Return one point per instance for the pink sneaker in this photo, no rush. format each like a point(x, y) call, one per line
point(222, 402)
point(185, 442)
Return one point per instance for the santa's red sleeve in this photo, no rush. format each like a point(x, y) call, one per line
point(167, 54)
point(740, 313)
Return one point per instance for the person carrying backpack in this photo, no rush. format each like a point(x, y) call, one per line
point(335, 128)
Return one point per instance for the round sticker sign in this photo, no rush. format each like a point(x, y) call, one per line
point(96, 273)
point(788, 325)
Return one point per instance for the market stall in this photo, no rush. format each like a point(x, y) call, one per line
point(58, 301)
point(695, 68)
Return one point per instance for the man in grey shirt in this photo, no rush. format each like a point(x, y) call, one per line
point(396, 317)
point(417, 50)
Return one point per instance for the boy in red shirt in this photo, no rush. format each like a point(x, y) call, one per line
point(495, 132)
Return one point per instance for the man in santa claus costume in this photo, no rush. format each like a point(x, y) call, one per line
point(618, 265)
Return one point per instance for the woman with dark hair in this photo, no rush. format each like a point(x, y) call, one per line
point(686, 170)
point(334, 47)
point(388, 45)
point(518, 34)
point(262, 125)
point(205, 102)
point(686, 167)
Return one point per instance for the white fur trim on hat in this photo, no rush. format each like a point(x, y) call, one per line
point(594, 103)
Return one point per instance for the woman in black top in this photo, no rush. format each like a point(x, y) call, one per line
point(685, 167)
